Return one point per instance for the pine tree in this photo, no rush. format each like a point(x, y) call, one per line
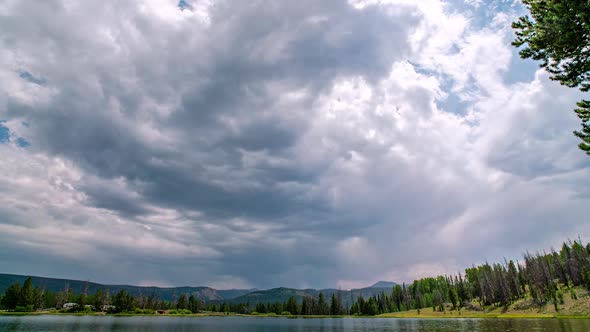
point(193, 304)
point(182, 302)
point(27, 296)
point(260, 308)
point(291, 306)
point(557, 35)
point(99, 299)
point(334, 309)
point(123, 302)
point(323, 308)
point(304, 307)
point(12, 296)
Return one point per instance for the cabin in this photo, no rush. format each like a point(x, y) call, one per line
point(70, 305)
point(107, 308)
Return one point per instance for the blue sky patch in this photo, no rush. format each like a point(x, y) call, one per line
point(184, 5)
point(23, 143)
point(453, 104)
point(521, 70)
point(5, 137)
point(4, 134)
point(27, 76)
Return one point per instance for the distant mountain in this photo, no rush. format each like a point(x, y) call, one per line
point(164, 293)
point(229, 294)
point(283, 294)
point(208, 294)
point(383, 284)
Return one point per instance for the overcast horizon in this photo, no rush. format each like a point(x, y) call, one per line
point(260, 144)
point(196, 286)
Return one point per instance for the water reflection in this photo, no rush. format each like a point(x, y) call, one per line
point(247, 324)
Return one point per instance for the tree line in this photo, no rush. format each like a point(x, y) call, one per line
point(309, 305)
point(26, 298)
point(542, 278)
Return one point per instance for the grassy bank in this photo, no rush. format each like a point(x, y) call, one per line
point(570, 308)
point(429, 313)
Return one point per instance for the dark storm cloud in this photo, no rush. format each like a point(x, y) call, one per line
point(82, 125)
point(264, 143)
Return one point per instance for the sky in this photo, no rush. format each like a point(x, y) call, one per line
point(239, 144)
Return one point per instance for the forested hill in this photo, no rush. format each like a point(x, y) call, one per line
point(164, 293)
point(207, 294)
point(282, 294)
point(558, 278)
point(383, 284)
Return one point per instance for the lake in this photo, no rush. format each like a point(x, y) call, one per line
point(250, 324)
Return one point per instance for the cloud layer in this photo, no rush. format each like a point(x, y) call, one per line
point(302, 144)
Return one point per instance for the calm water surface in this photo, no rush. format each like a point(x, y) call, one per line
point(247, 324)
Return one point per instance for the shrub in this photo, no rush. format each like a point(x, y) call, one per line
point(286, 313)
point(28, 308)
point(180, 312)
point(573, 294)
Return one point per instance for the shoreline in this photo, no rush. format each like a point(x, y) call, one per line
point(398, 315)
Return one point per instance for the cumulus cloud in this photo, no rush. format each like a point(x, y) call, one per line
point(307, 144)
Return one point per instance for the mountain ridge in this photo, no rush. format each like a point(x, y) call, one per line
point(282, 294)
point(383, 284)
point(204, 293)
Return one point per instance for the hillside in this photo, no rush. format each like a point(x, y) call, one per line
point(383, 284)
point(164, 293)
point(575, 307)
point(207, 294)
point(283, 294)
